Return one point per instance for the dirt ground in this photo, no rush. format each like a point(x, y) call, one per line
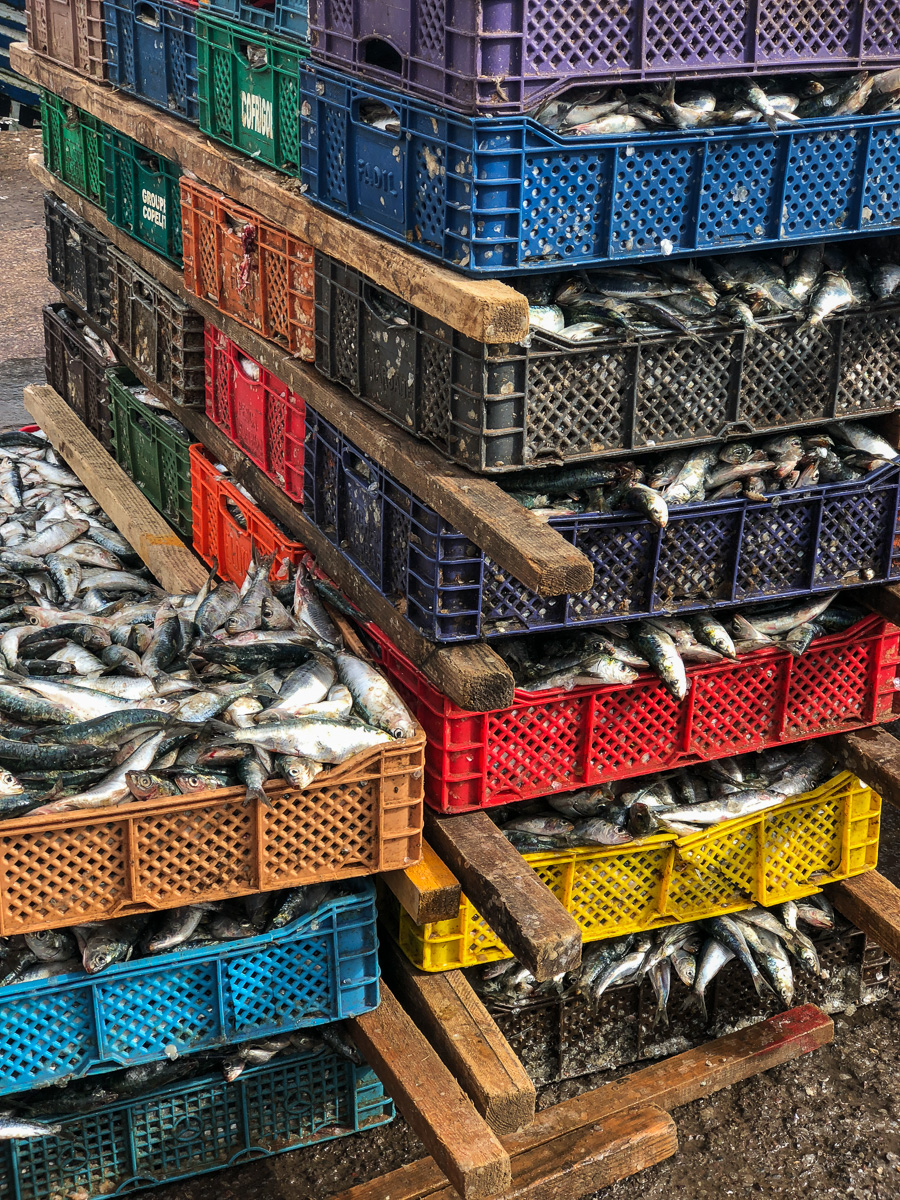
point(826, 1126)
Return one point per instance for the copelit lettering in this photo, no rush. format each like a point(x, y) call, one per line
point(153, 208)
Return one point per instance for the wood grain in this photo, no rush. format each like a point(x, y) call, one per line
point(429, 891)
point(874, 755)
point(872, 903)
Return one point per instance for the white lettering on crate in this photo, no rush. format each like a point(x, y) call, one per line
point(153, 208)
point(256, 114)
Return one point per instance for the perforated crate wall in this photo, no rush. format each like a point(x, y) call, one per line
point(77, 259)
point(780, 854)
point(495, 195)
point(152, 448)
point(258, 412)
point(508, 57)
point(322, 967)
point(249, 90)
point(142, 195)
point(152, 53)
point(284, 18)
point(249, 268)
point(69, 32)
point(709, 555)
point(159, 332)
point(227, 527)
point(77, 371)
point(496, 407)
point(188, 1129)
point(556, 740)
point(73, 147)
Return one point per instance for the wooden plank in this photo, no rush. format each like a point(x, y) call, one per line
point(884, 600)
point(517, 905)
point(434, 1105)
point(464, 1034)
point(872, 903)
point(428, 891)
point(874, 755)
point(174, 565)
point(667, 1085)
point(485, 309)
point(528, 548)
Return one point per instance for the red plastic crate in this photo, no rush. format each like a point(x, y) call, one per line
point(249, 268)
point(261, 415)
point(218, 533)
point(557, 741)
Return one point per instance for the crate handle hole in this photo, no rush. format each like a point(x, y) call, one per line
point(378, 53)
point(147, 15)
point(256, 56)
point(380, 116)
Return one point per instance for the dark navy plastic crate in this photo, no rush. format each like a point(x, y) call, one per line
point(77, 259)
point(322, 967)
point(284, 18)
point(187, 1129)
point(494, 195)
point(151, 51)
point(709, 555)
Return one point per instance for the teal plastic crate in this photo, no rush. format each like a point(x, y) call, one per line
point(73, 147)
point(142, 194)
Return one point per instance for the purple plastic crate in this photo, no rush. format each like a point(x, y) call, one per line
point(837, 535)
point(508, 55)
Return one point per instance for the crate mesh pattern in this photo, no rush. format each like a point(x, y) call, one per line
point(77, 372)
point(152, 53)
point(77, 259)
point(69, 32)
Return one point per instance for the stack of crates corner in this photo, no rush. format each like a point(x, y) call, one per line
point(416, 121)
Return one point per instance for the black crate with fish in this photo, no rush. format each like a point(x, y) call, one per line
point(76, 362)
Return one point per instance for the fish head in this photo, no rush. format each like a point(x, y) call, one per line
point(161, 704)
point(193, 783)
point(232, 1068)
point(98, 958)
point(142, 785)
point(9, 785)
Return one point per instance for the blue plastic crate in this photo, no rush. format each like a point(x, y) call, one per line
point(709, 556)
point(192, 1128)
point(495, 195)
point(151, 52)
point(323, 967)
point(285, 18)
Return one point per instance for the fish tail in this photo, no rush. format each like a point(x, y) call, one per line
point(771, 121)
point(257, 793)
point(698, 1000)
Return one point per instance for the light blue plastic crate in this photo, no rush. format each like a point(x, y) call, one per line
point(323, 967)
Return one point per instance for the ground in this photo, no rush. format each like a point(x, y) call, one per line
point(826, 1126)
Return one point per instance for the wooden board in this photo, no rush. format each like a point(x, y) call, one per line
point(517, 905)
point(528, 548)
point(428, 891)
point(485, 309)
point(175, 566)
point(667, 1085)
point(431, 1100)
point(884, 600)
point(464, 1034)
point(872, 903)
point(874, 755)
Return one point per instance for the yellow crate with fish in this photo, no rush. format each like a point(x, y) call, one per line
point(783, 852)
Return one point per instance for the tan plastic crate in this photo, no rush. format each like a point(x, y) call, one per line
point(70, 32)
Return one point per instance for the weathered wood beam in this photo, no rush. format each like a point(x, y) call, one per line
point(872, 903)
point(428, 891)
point(874, 755)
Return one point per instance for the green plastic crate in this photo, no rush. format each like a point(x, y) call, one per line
point(249, 87)
point(142, 194)
point(152, 448)
point(73, 147)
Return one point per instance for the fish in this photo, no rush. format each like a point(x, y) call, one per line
point(177, 926)
point(661, 652)
point(374, 696)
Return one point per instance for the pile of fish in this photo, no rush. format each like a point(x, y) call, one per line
point(98, 945)
point(111, 690)
point(617, 653)
point(639, 108)
point(752, 470)
point(693, 298)
point(764, 940)
point(681, 802)
point(81, 329)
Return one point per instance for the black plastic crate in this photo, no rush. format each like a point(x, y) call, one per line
point(77, 259)
point(76, 369)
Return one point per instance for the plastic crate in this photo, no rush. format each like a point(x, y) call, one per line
point(831, 833)
point(322, 967)
point(142, 195)
point(152, 53)
point(496, 407)
point(261, 415)
point(227, 526)
point(254, 108)
point(494, 195)
point(77, 259)
point(557, 741)
point(152, 448)
point(159, 333)
point(73, 147)
point(561, 1038)
point(77, 372)
point(508, 57)
point(284, 18)
point(249, 268)
point(709, 556)
point(188, 1129)
point(69, 32)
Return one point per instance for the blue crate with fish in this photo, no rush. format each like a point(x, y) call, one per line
point(203, 993)
point(706, 555)
point(177, 1130)
point(500, 194)
point(151, 52)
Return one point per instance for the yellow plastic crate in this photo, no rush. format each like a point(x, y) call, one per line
point(782, 854)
